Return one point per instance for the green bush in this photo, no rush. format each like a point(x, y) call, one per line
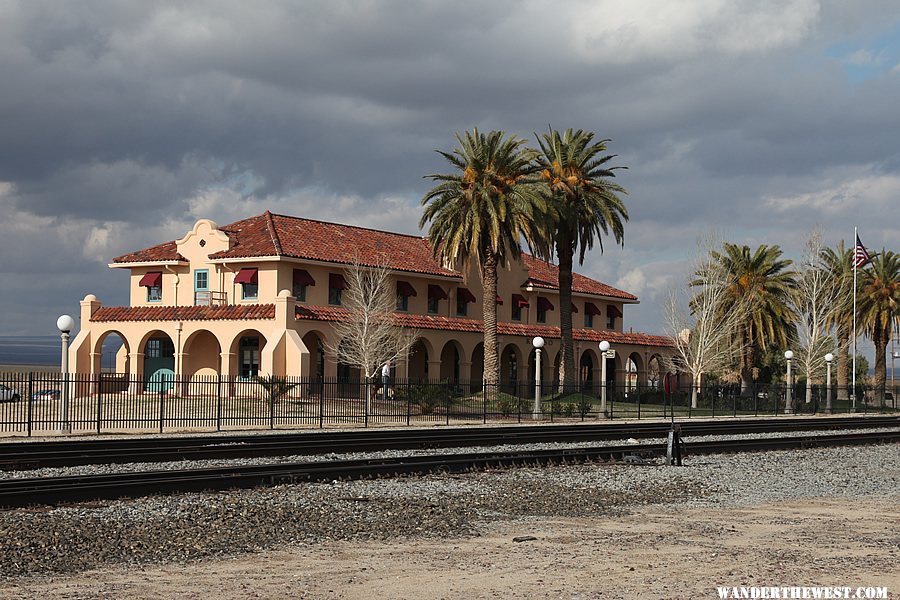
point(426, 396)
point(585, 405)
point(569, 410)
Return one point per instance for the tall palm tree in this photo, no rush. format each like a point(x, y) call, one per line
point(479, 214)
point(878, 304)
point(761, 279)
point(839, 264)
point(583, 205)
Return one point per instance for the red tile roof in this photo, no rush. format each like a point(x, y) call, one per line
point(542, 274)
point(280, 235)
point(166, 251)
point(184, 313)
point(336, 313)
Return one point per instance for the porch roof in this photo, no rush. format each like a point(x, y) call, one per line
point(183, 313)
point(437, 322)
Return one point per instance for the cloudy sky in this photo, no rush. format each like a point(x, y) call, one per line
point(122, 123)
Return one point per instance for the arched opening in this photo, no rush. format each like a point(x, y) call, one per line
point(450, 362)
point(477, 367)
point(349, 380)
point(202, 358)
point(555, 375)
point(418, 362)
point(509, 368)
point(313, 342)
point(586, 371)
point(633, 371)
point(159, 361)
point(112, 354)
point(655, 372)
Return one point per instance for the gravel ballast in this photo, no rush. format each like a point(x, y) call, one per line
point(191, 526)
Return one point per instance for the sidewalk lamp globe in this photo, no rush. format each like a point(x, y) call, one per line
point(789, 355)
point(538, 342)
point(604, 346)
point(829, 357)
point(65, 324)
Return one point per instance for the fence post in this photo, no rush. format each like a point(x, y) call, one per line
point(219, 402)
point(99, 399)
point(366, 405)
point(30, 401)
point(484, 408)
point(162, 405)
point(733, 405)
point(408, 402)
point(322, 404)
point(447, 409)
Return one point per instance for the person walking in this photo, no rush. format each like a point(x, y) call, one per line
point(385, 376)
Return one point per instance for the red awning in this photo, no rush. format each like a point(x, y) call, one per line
point(574, 308)
point(436, 292)
point(519, 300)
point(405, 289)
point(247, 276)
point(465, 295)
point(613, 311)
point(336, 281)
point(544, 304)
point(591, 309)
point(499, 300)
point(302, 277)
point(151, 279)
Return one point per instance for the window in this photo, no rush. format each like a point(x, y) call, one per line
point(336, 285)
point(543, 305)
point(404, 291)
point(249, 280)
point(302, 279)
point(435, 294)
point(518, 303)
point(249, 353)
point(462, 307)
point(154, 293)
point(612, 313)
point(153, 282)
point(201, 280)
point(249, 291)
point(159, 347)
point(463, 298)
point(610, 322)
point(588, 320)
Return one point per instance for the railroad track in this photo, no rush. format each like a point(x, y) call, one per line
point(33, 455)
point(56, 490)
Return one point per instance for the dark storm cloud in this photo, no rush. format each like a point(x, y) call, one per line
point(124, 122)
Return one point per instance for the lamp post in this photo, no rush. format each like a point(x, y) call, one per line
point(538, 343)
point(65, 324)
point(604, 347)
point(828, 358)
point(788, 400)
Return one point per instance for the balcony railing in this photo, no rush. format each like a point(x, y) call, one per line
point(210, 298)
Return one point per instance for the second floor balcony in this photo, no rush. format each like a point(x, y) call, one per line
point(207, 298)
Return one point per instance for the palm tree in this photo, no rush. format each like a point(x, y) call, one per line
point(878, 304)
point(839, 264)
point(480, 213)
point(583, 205)
point(759, 278)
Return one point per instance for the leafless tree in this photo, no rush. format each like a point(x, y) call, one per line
point(814, 300)
point(703, 333)
point(368, 338)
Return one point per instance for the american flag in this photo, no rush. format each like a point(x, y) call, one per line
point(860, 257)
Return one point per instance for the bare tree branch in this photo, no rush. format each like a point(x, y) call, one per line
point(815, 300)
point(703, 330)
point(369, 337)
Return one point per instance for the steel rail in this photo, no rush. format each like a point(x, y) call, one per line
point(32, 455)
point(56, 490)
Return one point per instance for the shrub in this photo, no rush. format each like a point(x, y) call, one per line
point(426, 397)
point(569, 410)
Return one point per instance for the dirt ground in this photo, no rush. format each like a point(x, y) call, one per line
point(652, 552)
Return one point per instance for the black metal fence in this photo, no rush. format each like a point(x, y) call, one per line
point(47, 403)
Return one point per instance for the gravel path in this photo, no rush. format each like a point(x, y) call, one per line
point(190, 526)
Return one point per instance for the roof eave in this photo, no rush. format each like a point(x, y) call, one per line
point(149, 263)
point(325, 263)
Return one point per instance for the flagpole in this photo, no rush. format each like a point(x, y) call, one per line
point(855, 261)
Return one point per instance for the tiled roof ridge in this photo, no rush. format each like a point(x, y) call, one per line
point(323, 222)
point(270, 222)
point(184, 313)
